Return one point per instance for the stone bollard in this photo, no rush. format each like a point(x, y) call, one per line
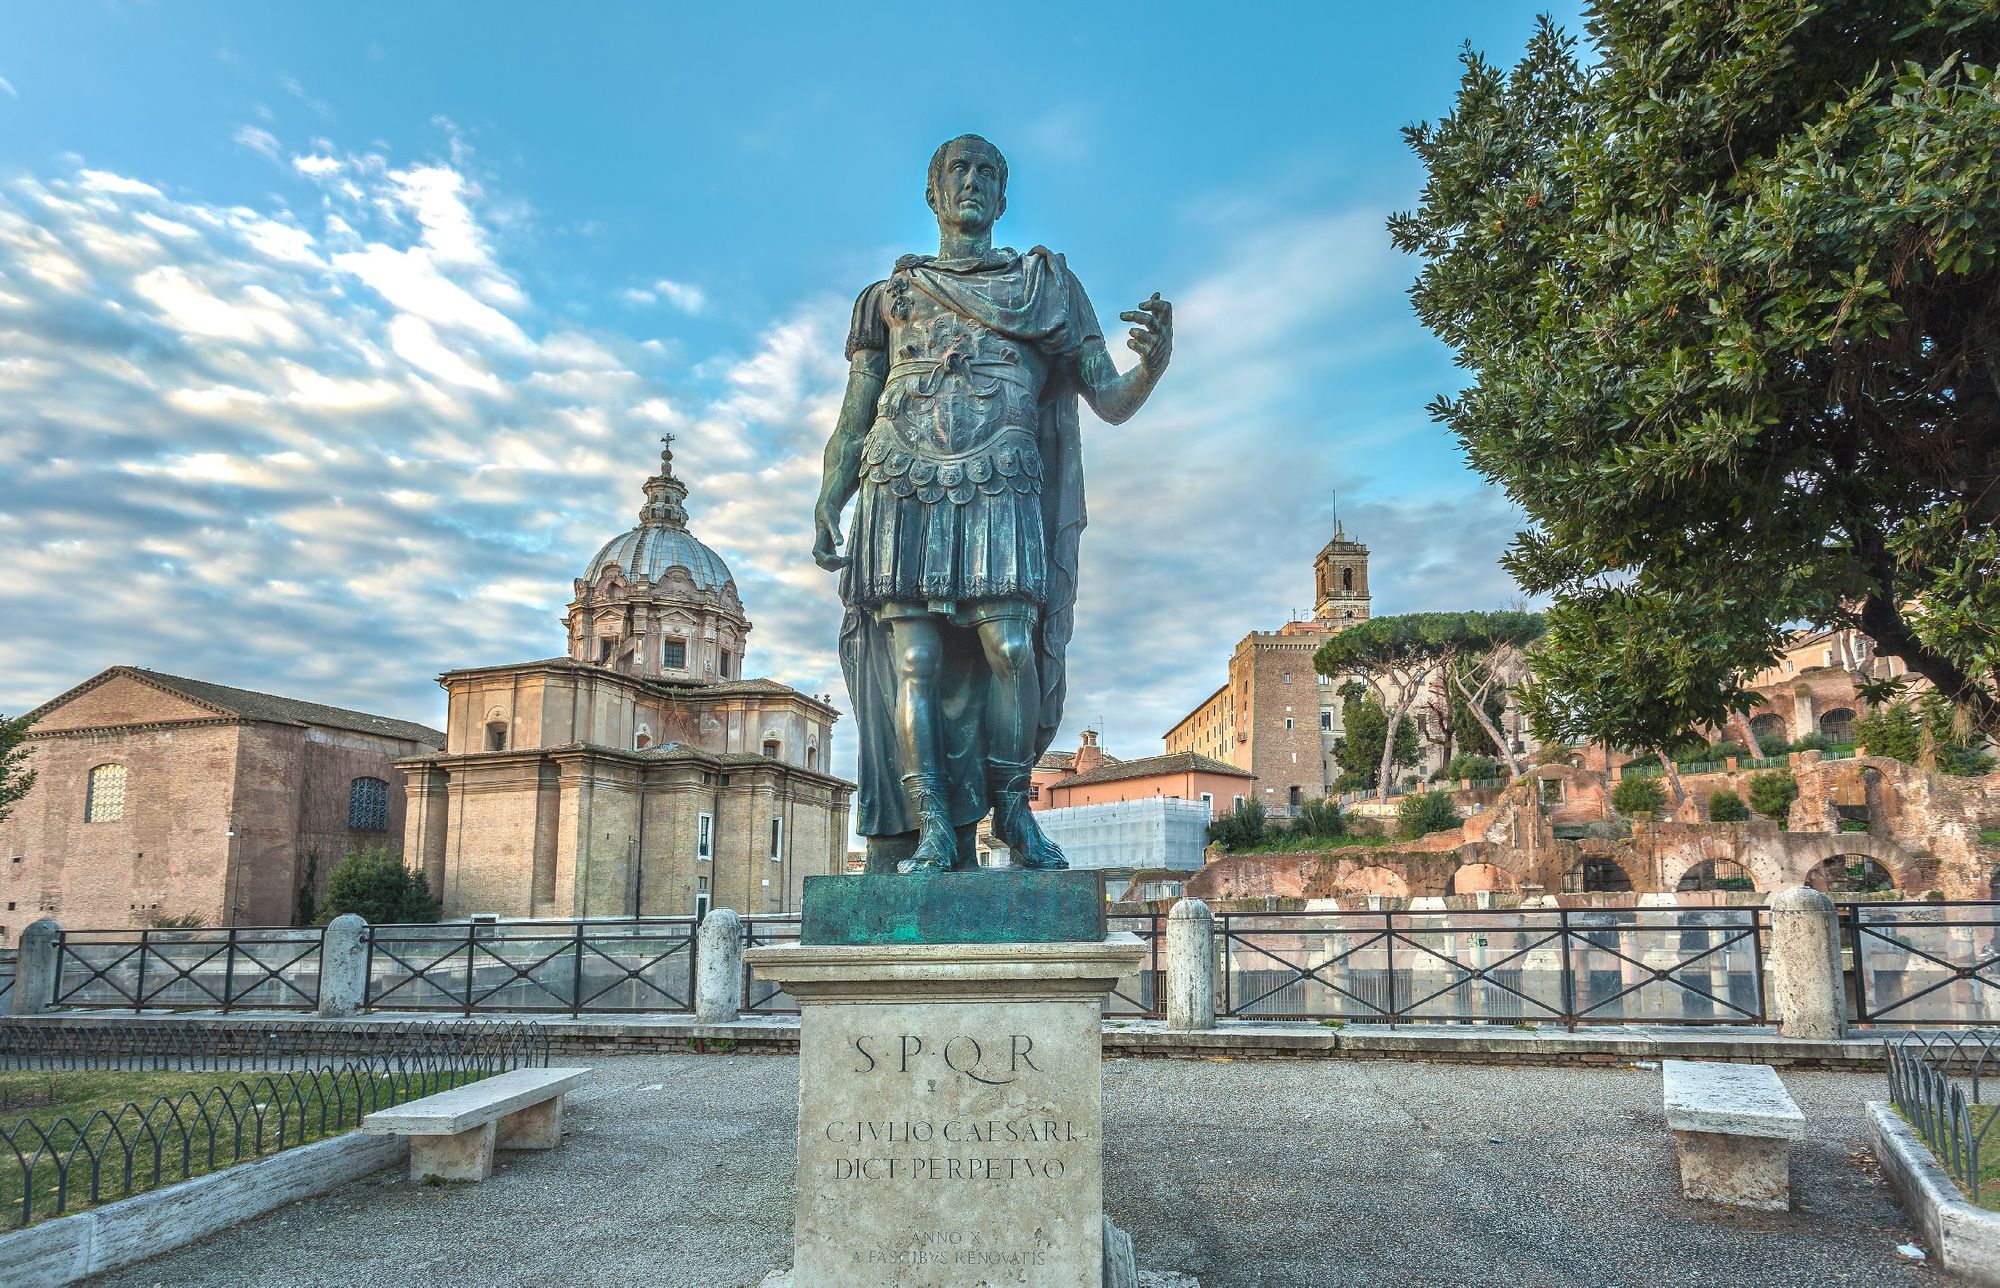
point(35, 967)
point(1805, 966)
point(718, 968)
point(343, 965)
point(1190, 966)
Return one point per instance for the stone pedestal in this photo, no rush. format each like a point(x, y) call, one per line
point(950, 1110)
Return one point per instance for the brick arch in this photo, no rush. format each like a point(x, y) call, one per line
point(1806, 851)
point(1472, 878)
point(1766, 871)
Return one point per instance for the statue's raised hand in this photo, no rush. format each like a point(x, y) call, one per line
point(1153, 336)
point(826, 539)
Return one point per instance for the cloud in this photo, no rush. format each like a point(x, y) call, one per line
point(689, 299)
point(262, 142)
point(332, 446)
point(7, 88)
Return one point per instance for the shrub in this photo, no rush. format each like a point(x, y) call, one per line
point(373, 882)
point(1241, 829)
point(1727, 807)
point(1772, 793)
point(1421, 813)
point(1813, 742)
point(1320, 818)
point(1723, 750)
point(1638, 796)
point(1962, 762)
point(1552, 753)
point(1735, 883)
point(1468, 764)
point(1853, 825)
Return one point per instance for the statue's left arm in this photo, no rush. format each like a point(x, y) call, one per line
point(1113, 394)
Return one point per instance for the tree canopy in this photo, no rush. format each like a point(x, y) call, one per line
point(374, 883)
point(1401, 656)
point(1730, 298)
point(15, 776)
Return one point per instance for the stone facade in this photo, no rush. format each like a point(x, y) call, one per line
point(631, 778)
point(162, 797)
point(1275, 717)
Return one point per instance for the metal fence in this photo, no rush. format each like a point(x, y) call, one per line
point(198, 1047)
point(760, 996)
point(1924, 963)
point(1911, 963)
point(63, 1164)
point(644, 964)
point(1567, 966)
point(263, 967)
point(1936, 1081)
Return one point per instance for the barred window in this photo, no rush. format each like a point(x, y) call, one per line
point(368, 805)
point(674, 655)
point(104, 799)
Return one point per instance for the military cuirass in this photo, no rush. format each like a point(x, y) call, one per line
point(959, 409)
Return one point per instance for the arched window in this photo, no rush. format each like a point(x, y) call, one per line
point(1347, 579)
point(1770, 731)
point(496, 736)
point(1838, 725)
point(812, 757)
point(104, 798)
point(1717, 874)
point(368, 805)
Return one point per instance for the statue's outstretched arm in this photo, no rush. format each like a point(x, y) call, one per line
point(841, 473)
point(1115, 395)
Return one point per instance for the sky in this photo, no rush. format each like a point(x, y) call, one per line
point(334, 340)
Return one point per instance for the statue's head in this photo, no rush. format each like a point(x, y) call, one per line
point(967, 186)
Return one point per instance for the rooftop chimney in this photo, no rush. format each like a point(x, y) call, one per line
point(1089, 756)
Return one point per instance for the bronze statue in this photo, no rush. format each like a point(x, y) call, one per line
point(960, 431)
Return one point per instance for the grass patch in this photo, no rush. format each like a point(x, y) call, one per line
point(1989, 836)
point(1299, 844)
point(1986, 1192)
point(84, 1138)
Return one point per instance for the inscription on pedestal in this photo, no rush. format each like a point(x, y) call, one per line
point(950, 1144)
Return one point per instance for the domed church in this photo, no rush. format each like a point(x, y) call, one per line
point(641, 774)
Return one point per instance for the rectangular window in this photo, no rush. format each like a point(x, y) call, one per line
point(700, 897)
point(1288, 722)
point(704, 837)
point(777, 840)
point(1326, 719)
point(674, 655)
point(104, 795)
point(1208, 803)
point(1239, 802)
point(368, 805)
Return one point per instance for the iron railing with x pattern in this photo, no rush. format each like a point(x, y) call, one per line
point(760, 996)
point(1924, 963)
point(268, 968)
point(640, 964)
point(1557, 965)
point(194, 1045)
point(1141, 995)
point(189, 1124)
point(1937, 1081)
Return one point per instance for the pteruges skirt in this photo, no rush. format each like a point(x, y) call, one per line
point(920, 542)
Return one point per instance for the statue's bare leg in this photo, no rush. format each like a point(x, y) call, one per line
point(1013, 710)
point(919, 656)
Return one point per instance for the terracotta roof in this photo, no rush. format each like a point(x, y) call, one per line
point(271, 707)
point(1182, 762)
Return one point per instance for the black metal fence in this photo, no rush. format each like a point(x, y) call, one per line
point(264, 968)
point(1559, 965)
point(199, 1047)
point(63, 1164)
point(1911, 963)
point(1924, 963)
point(1937, 1081)
point(644, 964)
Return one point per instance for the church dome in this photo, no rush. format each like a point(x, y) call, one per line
point(649, 551)
point(662, 542)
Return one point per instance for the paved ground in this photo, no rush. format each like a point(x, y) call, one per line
point(678, 1173)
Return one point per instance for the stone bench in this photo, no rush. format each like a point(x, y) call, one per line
point(453, 1134)
point(1733, 1127)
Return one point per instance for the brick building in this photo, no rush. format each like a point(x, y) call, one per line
point(640, 774)
point(160, 797)
point(1275, 717)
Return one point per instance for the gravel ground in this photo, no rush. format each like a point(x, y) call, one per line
point(678, 1171)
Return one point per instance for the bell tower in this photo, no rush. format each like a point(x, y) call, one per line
point(1340, 582)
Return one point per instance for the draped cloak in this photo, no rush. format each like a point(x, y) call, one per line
point(1052, 313)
